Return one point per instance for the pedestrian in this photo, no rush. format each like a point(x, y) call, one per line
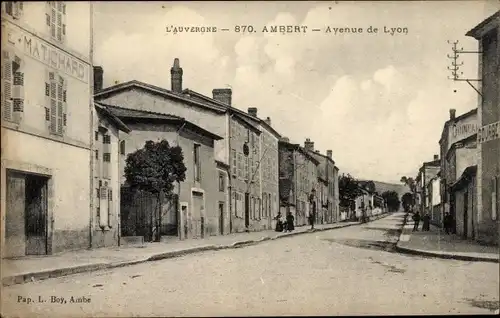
point(416, 220)
point(289, 222)
point(446, 223)
point(279, 222)
point(312, 214)
point(426, 222)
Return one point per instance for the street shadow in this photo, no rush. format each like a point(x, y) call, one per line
point(366, 244)
point(387, 232)
point(484, 304)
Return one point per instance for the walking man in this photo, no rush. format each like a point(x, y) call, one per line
point(416, 220)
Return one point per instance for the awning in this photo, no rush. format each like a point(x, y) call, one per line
point(465, 178)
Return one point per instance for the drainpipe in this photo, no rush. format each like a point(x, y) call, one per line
point(91, 100)
point(179, 223)
point(230, 176)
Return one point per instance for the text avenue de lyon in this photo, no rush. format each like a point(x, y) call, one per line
point(285, 29)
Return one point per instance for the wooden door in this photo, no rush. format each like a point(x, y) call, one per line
point(15, 238)
point(197, 213)
point(466, 207)
point(221, 218)
point(36, 215)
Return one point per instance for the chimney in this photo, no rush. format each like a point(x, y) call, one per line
point(329, 154)
point(436, 157)
point(98, 79)
point(316, 151)
point(452, 113)
point(252, 111)
point(309, 145)
point(176, 77)
point(268, 121)
point(222, 95)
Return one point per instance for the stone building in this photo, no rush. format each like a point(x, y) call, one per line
point(197, 195)
point(488, 137)
point(47, 112)
point(240, 131)
point(298, 180)
point(328, 175)
point(426, 173)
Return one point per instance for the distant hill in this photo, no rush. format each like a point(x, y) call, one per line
point(381, 187)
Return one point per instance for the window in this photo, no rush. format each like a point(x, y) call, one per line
point(96, 133)
point(106, 157)
point(106, 139)
point(56, 19)
point(240, 165)
point(247, 172)
point(122, 147)
point(14, 9)
point(197, 163)
point(222, 186)
point(494, 198)
point(13, 87)
point(234, 162)
point(55, 94)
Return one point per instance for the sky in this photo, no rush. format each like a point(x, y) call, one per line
point(378, 100)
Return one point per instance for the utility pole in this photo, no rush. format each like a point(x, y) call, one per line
point(455, 66)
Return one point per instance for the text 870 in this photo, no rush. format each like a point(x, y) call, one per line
point(244, 28)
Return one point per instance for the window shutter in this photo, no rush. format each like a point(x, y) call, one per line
point(7, 85)
point(110, 207)
point(18, 89)
point(494, 193)
point(17, 9)
point(122, 147)
point(60, 106)
point(51, 101)
point(63, 26)
point(64, 104)
point(103, 206)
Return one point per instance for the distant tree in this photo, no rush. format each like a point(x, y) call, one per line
point(410, 182)
point(348, 190)
point(369, 186)
point(407, 201)
point(155, 167)
point(392, 200)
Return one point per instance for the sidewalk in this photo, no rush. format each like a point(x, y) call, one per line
point(436, 243)
point(32, 268)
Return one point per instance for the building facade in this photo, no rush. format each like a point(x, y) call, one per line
point(458, 152)
point(427, 172)
point(197, 196)
point(106, 177)
point(46, 109)
point(488, 170)
point(328, 173)
point(298, 181)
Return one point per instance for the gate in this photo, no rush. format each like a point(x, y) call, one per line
point(145, 214)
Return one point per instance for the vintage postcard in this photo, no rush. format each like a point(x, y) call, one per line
point(250, 158)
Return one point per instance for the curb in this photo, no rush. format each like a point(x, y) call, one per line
point(31, 277)
point(411, 251)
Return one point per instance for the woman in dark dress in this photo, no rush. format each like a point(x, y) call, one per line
point(279, 223)
point(426, 222)
point(289, 222)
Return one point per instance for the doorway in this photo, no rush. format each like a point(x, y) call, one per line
point(26, 215)
point(466, 207)
point(221, 218)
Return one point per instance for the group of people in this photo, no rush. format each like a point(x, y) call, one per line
point(284, 225)
point(426, 220)
point(447, 222)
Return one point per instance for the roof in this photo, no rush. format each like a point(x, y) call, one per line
point(298, 148)
point(322, 156)
point(126, 113)
point(103, 110)
point(160, 91)
point(465, 178)
point(238, 112)
point(486, 25)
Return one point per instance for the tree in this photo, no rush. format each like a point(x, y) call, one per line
point(155, 167)
point(392, 200)
point(348, 190)
point(407, 201)
point(410, 182)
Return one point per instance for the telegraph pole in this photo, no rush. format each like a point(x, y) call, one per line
point(455, 65)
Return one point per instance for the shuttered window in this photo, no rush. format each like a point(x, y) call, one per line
point(494, 197)
point(12, 87)
point(122, 147)
point(56, 19)
point(56, 103)
point(234, 161)
point(14, 9)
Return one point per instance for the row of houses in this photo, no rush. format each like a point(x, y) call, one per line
point(464, 179)
point(65, 140)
